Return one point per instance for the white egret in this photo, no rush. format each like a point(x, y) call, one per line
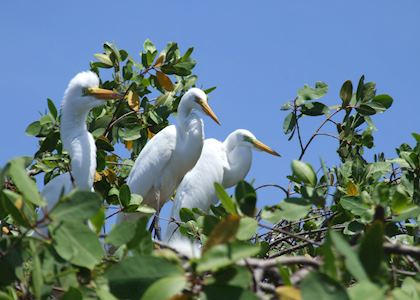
point(226, 163)
point(82, 94)
point(170, 154)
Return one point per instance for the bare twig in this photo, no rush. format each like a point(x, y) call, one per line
point(402, 249)
point(273, 185)
point(284, 260)
point(291, 234)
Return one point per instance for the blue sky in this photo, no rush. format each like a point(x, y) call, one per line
point(257, 53)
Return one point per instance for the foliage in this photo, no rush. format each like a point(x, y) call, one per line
point(341, 232)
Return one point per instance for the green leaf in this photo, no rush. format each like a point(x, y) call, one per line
point(366, 110)
point(290, 209)
point(351, 260)
point(371, 252)
point(346, 92)
point(103, 58)
point(33, 129)
point(224, 232)
point(37, 280)
point(52, 108)
point(362, 289)
point(165, 288)
point(319, 286)
point(225, 254)
point(122, 233)
point(246, 198)
point(309, 93)
point(380, 103)
point(76, 243)
point(125, 195)
point(78, 205)
point(224, 291)
point(304, 172)
point(72, 294)
point(355, 205)
point(314, 108)
point(247, 228)
point(24, 183)
point(227, 202)
point(289, 123)
point(360, 88)
point(132, 276)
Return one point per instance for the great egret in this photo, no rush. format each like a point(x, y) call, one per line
point(226, 163)
point(82, 94)
point(170, 154)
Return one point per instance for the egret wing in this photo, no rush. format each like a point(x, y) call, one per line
point(196, 190)
point(151, 161)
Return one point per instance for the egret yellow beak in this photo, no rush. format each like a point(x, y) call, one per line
point(207, 109)
point(264, 147)
point(102, 94)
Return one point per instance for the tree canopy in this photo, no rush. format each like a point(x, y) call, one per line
point(339, 232)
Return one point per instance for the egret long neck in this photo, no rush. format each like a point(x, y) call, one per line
point(80, 145)
point(239, 161)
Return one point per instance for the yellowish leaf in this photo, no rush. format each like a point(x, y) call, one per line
point(19, 203)
point(128, 145)
point(110, 175)
point(150, 134)
point(288, 293)
point(180, 297)
point(133, 100)
point(98, 177)
point(112, 158)
point(164, 81)
point(223, 232)
point(5, 230)
point(352, 189)
point(159, 61)
point(103, 58)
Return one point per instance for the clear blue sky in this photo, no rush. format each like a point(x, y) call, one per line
point(258, 53)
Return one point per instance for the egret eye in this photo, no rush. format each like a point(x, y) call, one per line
point(248, 139)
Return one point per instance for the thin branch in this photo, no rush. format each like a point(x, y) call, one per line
point(317, 131)
point(327, 134)
point(284, 260)
point(403, 250)
point(273, 185)
point(291, 234)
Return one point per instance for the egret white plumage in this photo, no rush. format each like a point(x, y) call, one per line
point(170, 154)
point(82, 94)
point(225, 163)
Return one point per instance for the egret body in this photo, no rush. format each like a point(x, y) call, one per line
point(170, 154)
point(225, 163)
point(82, 94)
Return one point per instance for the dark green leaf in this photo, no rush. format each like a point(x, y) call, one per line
point(319, 286)
point(76, 243)
point(24, 183)
point(351, 259)
point(246, 198)
point(366, 110)
point(304, 172)
point(371, 250)
point(314, 108)
point(78, 205)
point(52, 108)
point(346, 92)
point(165, 288)
point(225, 254)
point(227, 202)
point(223, 291)
point(131, 277)
point(289, 123)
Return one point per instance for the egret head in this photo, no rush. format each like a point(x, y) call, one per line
point(245, 138)
point(83, 92)
point(198, 100)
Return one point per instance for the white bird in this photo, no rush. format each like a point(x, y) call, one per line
point(170, 154)
point(82, 94)
point(225, 163)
